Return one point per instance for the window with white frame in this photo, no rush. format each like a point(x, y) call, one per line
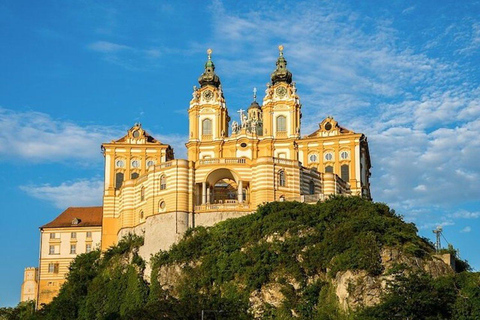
point(73, 249)
point(89, 234)
point(163, 183)
point(206, 127)
point(88, 248)
point(344, 155)
point(73, 235)
point(281, 124)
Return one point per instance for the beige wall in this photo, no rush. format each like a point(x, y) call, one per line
point(29, 285)
point(50, 282)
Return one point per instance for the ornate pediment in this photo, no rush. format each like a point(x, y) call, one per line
point(329, 127)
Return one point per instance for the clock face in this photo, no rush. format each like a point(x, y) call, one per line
point(208, 95)
point(281, 92)
point(328, 126)
point(136, 134)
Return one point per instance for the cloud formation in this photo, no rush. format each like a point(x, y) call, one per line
point(420, 112)
point(68, 194)
point(40, 138)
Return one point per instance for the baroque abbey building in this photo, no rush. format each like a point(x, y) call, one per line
point(231, 167)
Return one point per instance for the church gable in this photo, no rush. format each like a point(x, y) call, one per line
point(329, 127)
point(136, 135)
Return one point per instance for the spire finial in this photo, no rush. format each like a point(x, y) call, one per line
point(209, 53)
point(254, 94)
point(280, 49)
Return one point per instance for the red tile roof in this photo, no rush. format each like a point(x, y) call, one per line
point(87, 216)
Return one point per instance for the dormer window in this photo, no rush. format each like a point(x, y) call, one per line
point(75, 221)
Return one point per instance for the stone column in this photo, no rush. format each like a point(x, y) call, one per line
point(204, 192)
point(209, 190)
point(240, 191)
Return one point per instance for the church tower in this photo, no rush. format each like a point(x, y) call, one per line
point(208, 115)
point(281, 104)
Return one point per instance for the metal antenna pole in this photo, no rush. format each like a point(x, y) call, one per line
point(438, 234)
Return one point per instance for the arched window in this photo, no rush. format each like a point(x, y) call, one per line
point(281, 124)
point(206, 127)
point(344, 172)
point(142, 194)
point(118, 180)
point(163, 183)
point(281, 178)
point(311, 187)
point(134, 175)
point(329, 169)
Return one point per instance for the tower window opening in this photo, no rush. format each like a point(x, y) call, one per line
point(281, 124)
point(329, 169)
point(206, 127)
point(134, 175)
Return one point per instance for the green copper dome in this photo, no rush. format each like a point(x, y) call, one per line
point(209, 77)
point(281, 73)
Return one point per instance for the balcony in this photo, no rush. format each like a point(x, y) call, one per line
point(224, 161)
point(228, 205)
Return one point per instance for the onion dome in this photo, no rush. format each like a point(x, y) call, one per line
point(281, 73)
point(209, 77)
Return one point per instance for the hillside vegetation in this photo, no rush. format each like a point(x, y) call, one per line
point(346, 258)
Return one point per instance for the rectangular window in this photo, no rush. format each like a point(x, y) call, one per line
point(344, 172)
point(53, 267)
point(88, 248)
point(51, 250)
point(73, 235)
point(89, 234)
point(73, 249)
point(52, 235)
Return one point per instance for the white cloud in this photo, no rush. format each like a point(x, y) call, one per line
point(465, 214)
point(105, 46)
point(420, 113)
point(467, 229)
point(68, 194)
point(39, 138)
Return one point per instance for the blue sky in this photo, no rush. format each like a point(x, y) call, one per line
point(75, 74)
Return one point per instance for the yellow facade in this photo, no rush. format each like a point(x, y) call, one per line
point(230, 169)
point(29, 285)
point(75, 231)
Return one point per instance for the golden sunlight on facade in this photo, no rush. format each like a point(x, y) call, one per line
point(76, 230)
point(231, 169)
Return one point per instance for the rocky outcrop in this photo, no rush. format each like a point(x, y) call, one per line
point(358, 289)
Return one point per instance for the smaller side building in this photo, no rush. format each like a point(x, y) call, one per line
point(29, 285)
point(75, 231)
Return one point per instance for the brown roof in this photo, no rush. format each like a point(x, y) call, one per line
point(86, 217)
